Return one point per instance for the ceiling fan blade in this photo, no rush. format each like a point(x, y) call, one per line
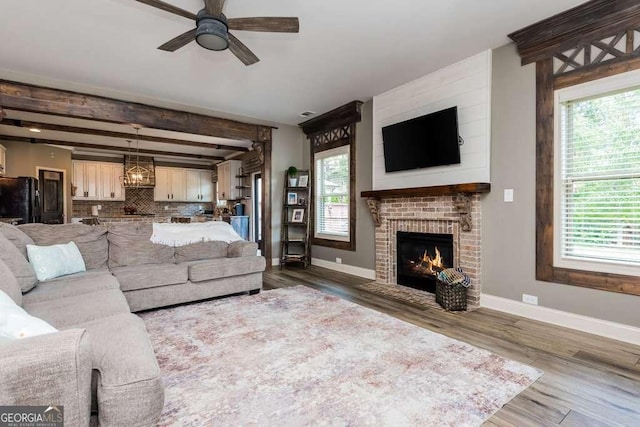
point(243, 53)
point(268, 24)
point(180, 41)
point(168, 8)
point(214, 7)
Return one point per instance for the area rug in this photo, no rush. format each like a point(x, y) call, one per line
point(296, 356)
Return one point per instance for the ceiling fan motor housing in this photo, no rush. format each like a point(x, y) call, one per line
point(212, 31)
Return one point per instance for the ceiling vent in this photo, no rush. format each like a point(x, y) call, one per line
point(139, 172)
point(307, 113)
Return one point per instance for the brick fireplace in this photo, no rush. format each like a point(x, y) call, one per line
point(450, 210)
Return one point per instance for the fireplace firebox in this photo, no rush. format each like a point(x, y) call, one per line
point(421, 256)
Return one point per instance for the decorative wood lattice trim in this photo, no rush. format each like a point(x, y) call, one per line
point(621, 45)
point(334, 135)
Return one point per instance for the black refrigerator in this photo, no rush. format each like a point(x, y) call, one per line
point(19, 198)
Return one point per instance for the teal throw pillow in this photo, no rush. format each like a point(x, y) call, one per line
point(54, 261)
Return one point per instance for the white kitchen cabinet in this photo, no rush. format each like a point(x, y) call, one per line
point(86, 180)
point(111, 181)
point(199, 187)
point(3, 160)
point(227, 180)
point(170, 185)
point(97, 180)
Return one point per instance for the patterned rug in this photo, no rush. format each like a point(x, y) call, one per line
point(296, 356)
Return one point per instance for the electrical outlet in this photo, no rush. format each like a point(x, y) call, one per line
point(99, 207)
point(339, 260)
point(530, 299)
point(166, 208)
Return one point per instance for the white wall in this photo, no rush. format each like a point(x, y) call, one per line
point(467, 85)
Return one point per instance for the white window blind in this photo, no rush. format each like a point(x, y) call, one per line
point(599, 182)
point(332, 194)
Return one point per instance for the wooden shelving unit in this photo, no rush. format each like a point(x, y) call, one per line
point(294, 235)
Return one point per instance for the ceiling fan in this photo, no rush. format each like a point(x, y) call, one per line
point(212, 28)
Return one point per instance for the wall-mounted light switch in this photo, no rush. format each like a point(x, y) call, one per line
point(508, 195)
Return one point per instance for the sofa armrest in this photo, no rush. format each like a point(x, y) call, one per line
point(49, 370)
point(241, 248)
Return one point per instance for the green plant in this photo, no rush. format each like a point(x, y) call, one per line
point(292, 171)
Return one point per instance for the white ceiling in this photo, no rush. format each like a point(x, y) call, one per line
point(346, 50)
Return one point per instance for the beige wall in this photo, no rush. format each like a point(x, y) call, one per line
point(286, 150)
point(23, 158)
point(364, 255)
point(508, 229)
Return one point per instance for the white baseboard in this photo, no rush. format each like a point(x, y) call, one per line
point(344, 268)
point(604, 328)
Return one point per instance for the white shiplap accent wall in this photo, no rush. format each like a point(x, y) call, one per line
point(467, 85)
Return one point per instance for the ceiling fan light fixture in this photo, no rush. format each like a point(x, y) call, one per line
point(212, 32)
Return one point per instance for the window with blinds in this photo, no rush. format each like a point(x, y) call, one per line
point(598, 184)
point(332, 194)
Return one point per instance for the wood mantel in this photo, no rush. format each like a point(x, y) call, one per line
point(439, 190)
point(461, 192)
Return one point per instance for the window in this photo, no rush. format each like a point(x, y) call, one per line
point(332, 194)
point(597, 185)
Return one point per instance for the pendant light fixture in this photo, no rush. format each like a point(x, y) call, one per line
point(137, 175)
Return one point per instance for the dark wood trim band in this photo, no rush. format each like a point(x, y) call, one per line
point(341, 116)
point(587, 74)
point(591, 20)
point(122, 150)
point(121, 135)
point(38, 99)
point(544, 169)
point(440, 190)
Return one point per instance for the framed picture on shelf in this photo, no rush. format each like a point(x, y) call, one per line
point(292, 198)
point(303, 181)
point(298, 215)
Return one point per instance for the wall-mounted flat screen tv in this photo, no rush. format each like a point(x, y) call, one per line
point(423, 142)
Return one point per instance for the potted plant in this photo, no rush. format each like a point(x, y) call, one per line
point(292, 172)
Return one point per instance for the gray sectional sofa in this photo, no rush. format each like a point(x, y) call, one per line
point(101, 361)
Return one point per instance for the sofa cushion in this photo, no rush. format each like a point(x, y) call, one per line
point(9, 284)
point(201, 250)
point(129, 244)
point(18, 264)
point(150, 276)
point(91, 240)
point(15, 323)
point(200, 271)
point(54, 261)
point(75, 284)
point(63, 313)
point(242, 248)
point(129, 386)
point(17, 237)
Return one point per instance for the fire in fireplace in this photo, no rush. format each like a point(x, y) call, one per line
point(421, 256)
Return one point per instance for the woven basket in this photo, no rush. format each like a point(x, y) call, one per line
point(451, 297)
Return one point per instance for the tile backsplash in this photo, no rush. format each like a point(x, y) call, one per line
point(142, 200)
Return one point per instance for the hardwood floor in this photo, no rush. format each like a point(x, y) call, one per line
point(587, 381)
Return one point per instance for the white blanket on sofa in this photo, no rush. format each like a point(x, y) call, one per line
point(185, 234)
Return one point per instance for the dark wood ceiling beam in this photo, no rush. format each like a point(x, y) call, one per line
point(122, 135)
point(123, 150)
point(38, 99)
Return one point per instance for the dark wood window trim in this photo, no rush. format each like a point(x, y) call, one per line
point(575, 30)
point(334, 129)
